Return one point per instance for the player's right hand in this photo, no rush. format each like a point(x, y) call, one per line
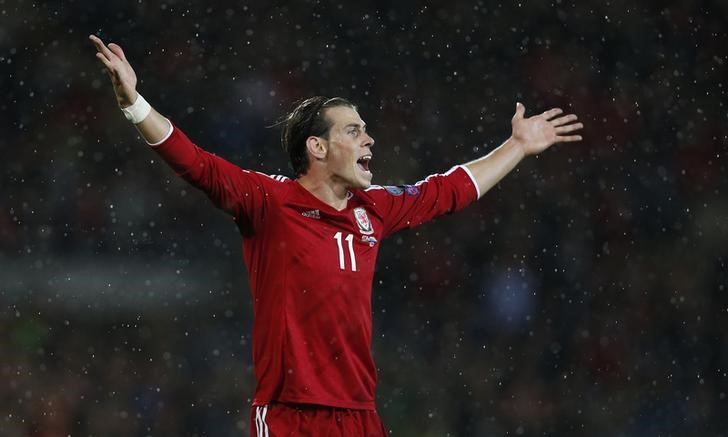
point(122, 75)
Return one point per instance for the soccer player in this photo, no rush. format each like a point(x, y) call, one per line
point(310, 244)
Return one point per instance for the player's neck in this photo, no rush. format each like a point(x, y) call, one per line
point(330, 192)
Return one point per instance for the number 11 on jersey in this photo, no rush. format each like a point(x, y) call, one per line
point(349, 239)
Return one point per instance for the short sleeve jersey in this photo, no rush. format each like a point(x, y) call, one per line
point(311, 268)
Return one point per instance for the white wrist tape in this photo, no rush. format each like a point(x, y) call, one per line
point(138, 111)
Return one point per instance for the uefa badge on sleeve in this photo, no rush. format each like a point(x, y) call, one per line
point(362, 220)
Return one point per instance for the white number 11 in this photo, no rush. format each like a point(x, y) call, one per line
point(349, 239)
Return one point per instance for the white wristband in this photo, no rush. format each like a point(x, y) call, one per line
point(138, 111)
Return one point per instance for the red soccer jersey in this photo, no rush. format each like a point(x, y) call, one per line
point(311, 269)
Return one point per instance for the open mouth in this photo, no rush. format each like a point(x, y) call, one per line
point(363, 163)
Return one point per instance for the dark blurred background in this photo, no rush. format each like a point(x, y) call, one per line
point(584, 295)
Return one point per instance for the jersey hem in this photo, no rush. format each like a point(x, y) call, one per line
point(319, 401)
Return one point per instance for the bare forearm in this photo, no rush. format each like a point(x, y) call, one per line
point(154, 128)
point(493, 167)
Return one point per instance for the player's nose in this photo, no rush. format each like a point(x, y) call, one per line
point(368, 140)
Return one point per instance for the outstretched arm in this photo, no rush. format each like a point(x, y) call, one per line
point(243, 194)
point(154, 127)
point(529, 136)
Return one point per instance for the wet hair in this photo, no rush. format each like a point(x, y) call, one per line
point(305, 120)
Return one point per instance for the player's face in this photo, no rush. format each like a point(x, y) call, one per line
point(349, 148)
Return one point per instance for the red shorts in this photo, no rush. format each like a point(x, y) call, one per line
point(278, 419)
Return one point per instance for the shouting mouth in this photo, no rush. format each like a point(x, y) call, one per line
point(363, 163)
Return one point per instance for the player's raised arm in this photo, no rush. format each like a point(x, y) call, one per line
point(151, 125)
point(243, 194)
point(529, 136)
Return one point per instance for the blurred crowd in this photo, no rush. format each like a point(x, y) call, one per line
point(584, 295)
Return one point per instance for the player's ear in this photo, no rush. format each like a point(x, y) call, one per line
point(317, 147)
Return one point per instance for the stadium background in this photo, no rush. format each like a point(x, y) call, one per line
point(585, 295)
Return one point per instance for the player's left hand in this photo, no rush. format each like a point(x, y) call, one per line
point(536, 134)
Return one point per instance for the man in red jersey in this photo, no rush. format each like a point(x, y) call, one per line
point(310, 245)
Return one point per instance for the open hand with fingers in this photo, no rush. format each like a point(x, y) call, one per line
point(536, 134)
point(122, 75)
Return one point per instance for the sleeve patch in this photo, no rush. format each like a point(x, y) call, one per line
point(398, 190)
point(394, 190)
point(412, 190)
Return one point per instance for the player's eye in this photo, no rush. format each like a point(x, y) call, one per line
point(354, 132)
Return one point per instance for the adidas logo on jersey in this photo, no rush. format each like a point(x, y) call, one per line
point(314, 213)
